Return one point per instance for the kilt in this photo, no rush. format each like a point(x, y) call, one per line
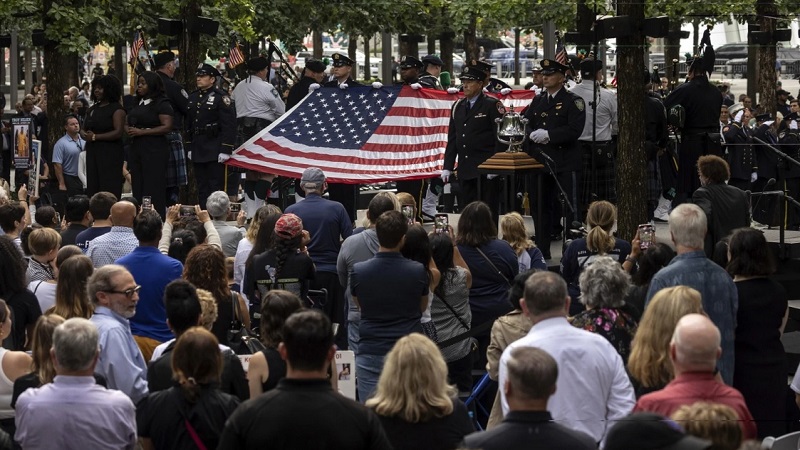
point(604, 187)
point(176, 167)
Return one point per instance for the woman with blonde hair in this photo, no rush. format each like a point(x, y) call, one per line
point(512, 225)
point(71, 297)
point(649, 365)
point(42, 369)
point(416, 406)
point(714, 422)
point(600, 219)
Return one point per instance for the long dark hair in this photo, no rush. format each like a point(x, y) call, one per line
point(651, 261)
point(12, 268)
point(442, 251)
point(418, 248)
point(282, 248)
point(205, 268)
point(155, 87)
point(263, 238)
point(476, 226)
point(276, 306)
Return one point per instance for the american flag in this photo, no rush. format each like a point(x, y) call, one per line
point(360, 134)
point(561, 52)
point(235, 56)
point(137, 44)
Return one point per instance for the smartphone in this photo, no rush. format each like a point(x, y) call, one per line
point(647, 236)
point(147, 202)
point(440, 223)
point(188, 211)
point(234, 211)
point(58, 219)
point(408, 211)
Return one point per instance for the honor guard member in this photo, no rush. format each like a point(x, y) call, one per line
point(346, 194)
point(431, 69)
point(409, 73)
point(700, 132)
point(313, 74)
point(557, 118)
point(655, 140)
point(490, 83)
point(789, 140)
point(210, 132)
point(472, 137)
point(765, 211)
point(410, 68)
point(599, 159)
point(257, 105)
point(738, 148)
point(179, 99)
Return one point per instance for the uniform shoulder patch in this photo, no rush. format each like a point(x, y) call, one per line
point(725, 130)
point(226, 100)
point(782, 135)
point(501, 108)
point(580, 104)
point(183, 92)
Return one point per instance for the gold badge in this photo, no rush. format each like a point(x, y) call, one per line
point(546, 63)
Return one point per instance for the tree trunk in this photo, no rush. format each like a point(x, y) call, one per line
point(471, 41)
point(367, 69)
point(58, 80)
point(767, 82)
point(191, 56)
point(446, 46)
point(431, 43)
point(631, 176)
point(695, 36)
point(316, 39)
point(584, 22)
point(516, 56)
point(672, 52)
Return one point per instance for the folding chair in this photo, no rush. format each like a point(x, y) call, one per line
point(473, 400)
point(789, 441)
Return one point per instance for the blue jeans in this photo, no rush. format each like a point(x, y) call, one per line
point(353, 335)
point(368, 370)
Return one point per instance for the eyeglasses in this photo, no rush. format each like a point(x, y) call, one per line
point(127, 292)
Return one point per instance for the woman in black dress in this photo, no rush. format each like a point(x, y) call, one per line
point(103, 128)
point(759, 372)
point(148, 124)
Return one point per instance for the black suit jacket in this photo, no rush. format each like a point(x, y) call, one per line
point(529, 430)
point(472, 135)
point(563, 118)
point(726, 209)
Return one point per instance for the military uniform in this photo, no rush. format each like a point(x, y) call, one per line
point(300, 89)
point(655, 136)
point(426, 79)
point(179, 99)
point(739, 154)
point(210, 131)
point(789, 139)
point(767, 162)
point(563, 116)
point(472, 136)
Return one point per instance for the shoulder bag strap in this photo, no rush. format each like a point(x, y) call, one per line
point(37, 286)
point(493, 266)
point(235, 306)
point(190, 429)
point(453, 310)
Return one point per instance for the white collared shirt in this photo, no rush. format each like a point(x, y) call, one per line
point(606, 111)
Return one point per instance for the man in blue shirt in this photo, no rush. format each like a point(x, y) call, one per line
point(115, 295)
point(391, 292)
point(328, 224)
point(153, 271)
point(688, 226)
point(118, 242)
point(66, 153)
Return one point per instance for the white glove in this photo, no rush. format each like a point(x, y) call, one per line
point(540, 136)
point(445, 176)
point(738, 117)
point(189, 155)
point(753, 177)
point(485, 89)
point(505, 91)
point(313, 87)
point(452, 90)
point(223, 157)
point(491, 176)
point(377, 85)
point(534, 88)
point(343, 86)
point(416, 86)
point(792, 124)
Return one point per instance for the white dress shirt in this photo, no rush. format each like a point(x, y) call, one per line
point(593, 388)
point(255, 97)
point(606, 111)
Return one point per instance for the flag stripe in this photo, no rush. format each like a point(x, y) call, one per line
point(360, 134)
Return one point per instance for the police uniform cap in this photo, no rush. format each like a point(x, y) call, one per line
point(433, 59)
point(761, 117)
point(590, 66)
point(207, 69)
point(316, 65)
point(410, 62)
point(340, 60)
point(481, 65)
point(257, 64)
point(161, 59)
point(783, 92)
point(551, 66)
point(792, 116)
point(472, 73)
point(735, 108)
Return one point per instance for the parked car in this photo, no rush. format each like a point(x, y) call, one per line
point(505, 56)
point(374, 61)
point(788, 57)
point(657, 60)
point(725, 53)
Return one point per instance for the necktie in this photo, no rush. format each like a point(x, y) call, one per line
point(469, 105)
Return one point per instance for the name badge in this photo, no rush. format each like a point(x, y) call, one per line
point(479, 115)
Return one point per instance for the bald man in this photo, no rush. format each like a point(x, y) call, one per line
point(694, 351)
point(118, 242)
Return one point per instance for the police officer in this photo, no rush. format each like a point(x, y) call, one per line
point(313, 73)
point(210, 132)
point(655, 141)
point(179, 99)
point(409, 74)
point(789, 139)
point(257, 105)
point(409, 70)
point(491, 84)
point(431, 69)
point(738, 148)
point(342, 71)
point(557, 118)
point(472, 137)
point(700, 133)
point(598, 138)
